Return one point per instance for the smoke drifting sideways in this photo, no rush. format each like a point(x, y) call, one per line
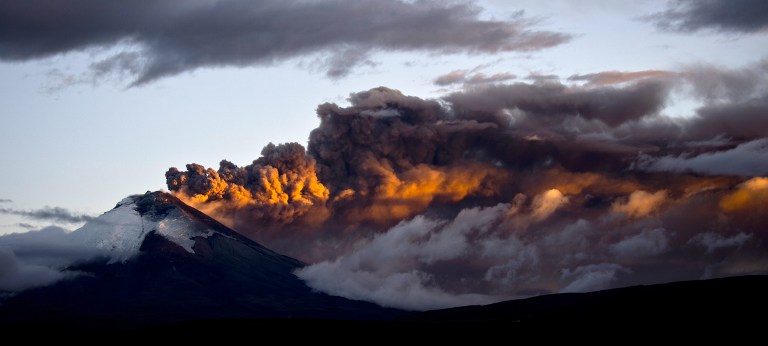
point(500, 191)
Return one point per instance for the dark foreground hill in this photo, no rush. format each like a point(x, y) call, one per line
point(725, 299)
point(734, 307)
point(170, 270)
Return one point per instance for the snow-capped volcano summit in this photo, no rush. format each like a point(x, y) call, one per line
point(165, 261)
point(121, 231)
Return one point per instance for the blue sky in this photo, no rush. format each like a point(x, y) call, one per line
point(84, 143)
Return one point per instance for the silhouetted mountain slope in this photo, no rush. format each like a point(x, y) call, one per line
point(734, 298)
point(169, 262)
point(169, 268)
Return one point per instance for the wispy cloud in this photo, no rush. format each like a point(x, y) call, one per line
point(469, 78)
point(617, 77)
point(56, 214)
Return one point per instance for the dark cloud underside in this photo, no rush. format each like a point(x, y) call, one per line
point(169, 37)
point(738, 16)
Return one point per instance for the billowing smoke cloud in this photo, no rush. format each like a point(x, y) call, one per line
point(368, 166)
point(165, 37)
point(395, 268)
point(400, 267)
point(280, 186)
point(5, 200)
point(739, 16)
point(509, 190)
point(546, 106)
point(55, 214)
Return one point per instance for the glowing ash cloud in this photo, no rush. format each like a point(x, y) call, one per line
point(640, 203)
point(509, 190)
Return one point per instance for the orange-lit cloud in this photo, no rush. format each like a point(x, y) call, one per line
point(573, 183)
point(752, 194)
point(403, 195)
point(502, 190)
point(640, 203)
point(280, 188)
point(546, 203)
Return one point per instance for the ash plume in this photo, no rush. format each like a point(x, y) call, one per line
point(510, 190)
point(280, 186)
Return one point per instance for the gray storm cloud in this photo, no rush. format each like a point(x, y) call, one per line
point(737, 16)
point(164, 37)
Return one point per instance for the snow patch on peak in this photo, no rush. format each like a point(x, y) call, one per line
point(179, 228)
point(119, 232)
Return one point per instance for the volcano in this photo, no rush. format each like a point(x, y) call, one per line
point(165, 261)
